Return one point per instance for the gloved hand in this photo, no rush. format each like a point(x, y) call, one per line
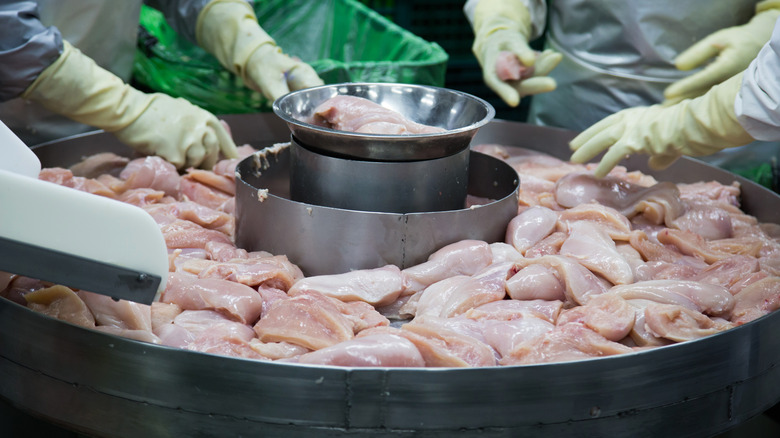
point(182, 133)
point(694, 127)
point(733, 48)
point(228, 29)
point(505, 25)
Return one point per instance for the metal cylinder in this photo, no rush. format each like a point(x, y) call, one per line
point(268, 219)
point(439, 184)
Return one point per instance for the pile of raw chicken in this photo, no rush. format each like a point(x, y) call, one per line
point(589, 268)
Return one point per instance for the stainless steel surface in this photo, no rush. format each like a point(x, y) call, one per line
point(438, 184)
point(327, 240)
point(117, 282)
point(459, 113)
point(109, 386)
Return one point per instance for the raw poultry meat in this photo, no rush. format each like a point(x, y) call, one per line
point(99, 164)
point(442, 344)
point(702, 297)
point(577, 281)
point(756, 300)
point(536, 282)
point(152, 173)
point(509, 68)
point(372, 350)
point(378, 287)
point(456, 295)
point(62, 303)
point(530, 227)
point(607, 314)
point(191, 211)
point(549, 310)
point(253, 270)
point(466, 257)
point(592, 247)
point(567, 342)
point(357, 114)
point(315, 321)
point(120, 315)
point(234, 300)
point(678, 323)
point(588, 268)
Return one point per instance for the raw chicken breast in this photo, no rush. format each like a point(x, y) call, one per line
point(592, 267)
point(442, 346)
point(356, 114)
point(590, 244)
point(607, 314)
point(378, 287)
point(756, 300)
point(120, 314)
point(509, 67)
point(370, 350)
point(234, 300)
point(513, 309)
point(153, 173)
point(466, 257)
point(62, 303)
point(706, 298)
point(530, 227)
point(314, 321)
point(565, 343)
point(679, 324)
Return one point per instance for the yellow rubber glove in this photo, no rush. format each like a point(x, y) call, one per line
point(733, 49)
point(228, 29)
point(694, 127)
point(505, 25)
point(182, 133)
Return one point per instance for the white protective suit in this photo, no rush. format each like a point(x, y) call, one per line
point(729, 116)
point(757, 105)
point(74, 57)
point(106, 31)
point(618, 53)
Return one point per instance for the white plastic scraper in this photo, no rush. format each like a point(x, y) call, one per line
point(77, 239)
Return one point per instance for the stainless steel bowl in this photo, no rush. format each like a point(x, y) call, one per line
point(103, 385)
point(460, 114)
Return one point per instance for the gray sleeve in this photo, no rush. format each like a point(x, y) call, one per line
point(182, 15)
point(27, 47)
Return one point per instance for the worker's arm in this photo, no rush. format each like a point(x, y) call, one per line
point(229, 30)
point(742, 109)
point(694, 127)
point(507, 26)
point(182, 133)
point(26, 47)
point(723, 53)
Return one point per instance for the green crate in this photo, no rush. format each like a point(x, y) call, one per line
point(344, 40)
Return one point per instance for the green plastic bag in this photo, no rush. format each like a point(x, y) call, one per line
point(344, 40)
point(757, 161)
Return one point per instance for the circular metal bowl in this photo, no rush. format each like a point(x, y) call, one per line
point(460, 114)
point(104, 385)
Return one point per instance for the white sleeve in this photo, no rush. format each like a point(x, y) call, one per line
point(536, 8)
point(757, 105)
